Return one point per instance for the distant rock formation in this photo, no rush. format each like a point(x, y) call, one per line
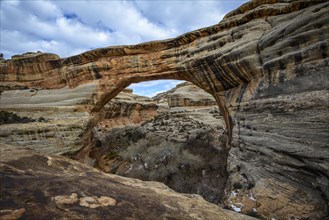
point(184, 95)
point(126, 109)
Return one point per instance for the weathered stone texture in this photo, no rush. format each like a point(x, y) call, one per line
point(126, 109)
point(187, 94)
point(280, 139)
point(61, 118)
point(37, 186)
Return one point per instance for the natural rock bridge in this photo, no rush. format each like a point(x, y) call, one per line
point(266, 64)
point(250, 44)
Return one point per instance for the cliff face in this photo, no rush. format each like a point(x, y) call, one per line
point(126, 109)
point(266, 64)
point(184, 95)
point(60, 118)
point(280, 155)
point(279, 151)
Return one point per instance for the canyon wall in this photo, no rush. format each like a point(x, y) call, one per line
point(126, 109)
point(279, 158)
point(60, 118)
point(265, 63)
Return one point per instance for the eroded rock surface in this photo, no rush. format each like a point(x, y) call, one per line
point(184, 95)
point(60, 118)
point(126, 109)
point(36, 186)
point(280, 156)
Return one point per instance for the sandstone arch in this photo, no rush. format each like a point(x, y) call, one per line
point(217, 58)
point(261, 55)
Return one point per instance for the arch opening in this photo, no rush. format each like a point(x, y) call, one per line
point(153, 87)
point(176, 137)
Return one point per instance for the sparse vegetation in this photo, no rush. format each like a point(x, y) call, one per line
point(165, 158)
point(11, 118)
point(194, 166)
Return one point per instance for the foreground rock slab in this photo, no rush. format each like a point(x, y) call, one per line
point(36, 186)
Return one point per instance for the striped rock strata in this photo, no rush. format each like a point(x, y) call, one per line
point(266, 64)
point(126, 109)
point(185, 95)
point(64, 114)
point(59, 117)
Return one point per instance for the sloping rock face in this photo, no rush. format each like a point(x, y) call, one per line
point(280, 157)
point(56, 120)
point(38, 186)
point(266, 64)
point(184, 95)
point(60, 118)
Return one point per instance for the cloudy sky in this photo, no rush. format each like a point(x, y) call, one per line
point(69, 27)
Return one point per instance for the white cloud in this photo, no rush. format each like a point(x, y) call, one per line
point(82, 25)
point(182, 15)
point(121, 17)
point(71, 27)
point(24, 28)
point(78, 34)
point(42, 9)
